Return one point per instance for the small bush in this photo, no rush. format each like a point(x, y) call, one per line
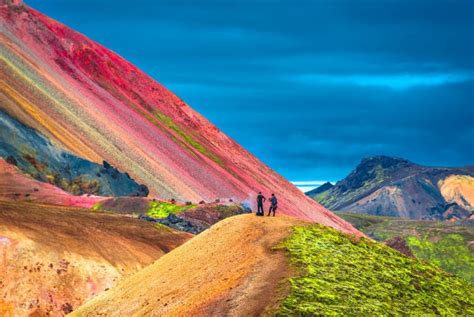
point(97, 207)
point(161, 209)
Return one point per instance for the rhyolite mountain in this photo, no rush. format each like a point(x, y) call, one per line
point(391, 186)
point(96, 105)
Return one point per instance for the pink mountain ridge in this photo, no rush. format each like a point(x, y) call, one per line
point(93, 103)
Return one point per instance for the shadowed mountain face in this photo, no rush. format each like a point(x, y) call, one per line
point(98, 106)
point(324, 187)
point(390, 186)
point(36, 156)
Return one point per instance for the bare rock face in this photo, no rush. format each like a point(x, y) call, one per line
point(39, 158)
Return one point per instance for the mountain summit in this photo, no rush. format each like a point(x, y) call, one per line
point(91, 102)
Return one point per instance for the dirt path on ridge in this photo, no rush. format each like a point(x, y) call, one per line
point(229, 270)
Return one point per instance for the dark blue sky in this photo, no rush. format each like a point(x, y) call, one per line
point(309, 87)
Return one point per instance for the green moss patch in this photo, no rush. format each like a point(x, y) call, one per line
point(345, 276)
point(97, 207)
point(161, 209)
point(444, 244)
point(450, 253)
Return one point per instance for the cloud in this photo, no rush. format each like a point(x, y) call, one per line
point(306, 186)
point(393, 81)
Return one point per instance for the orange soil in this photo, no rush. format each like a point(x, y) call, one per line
point(230, 269)
point(52, 259)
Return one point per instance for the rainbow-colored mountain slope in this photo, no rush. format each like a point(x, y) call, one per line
point(96, 105)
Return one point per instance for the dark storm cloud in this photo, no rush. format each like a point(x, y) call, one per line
point(310, 87)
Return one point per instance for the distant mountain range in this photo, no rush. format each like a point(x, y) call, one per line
point(391, 186)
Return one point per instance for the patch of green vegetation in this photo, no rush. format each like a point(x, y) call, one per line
point(444, 244)
point(363, 222)
point(321, 197)
point(345, 276)
point(229, 210)
point(449, 253)
point(97, 207)
point(162, 209)
point(168, 122)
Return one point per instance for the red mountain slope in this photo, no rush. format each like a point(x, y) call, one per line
point(92, 102)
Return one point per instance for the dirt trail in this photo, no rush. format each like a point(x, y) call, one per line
point(229, 270)
point(53, 259)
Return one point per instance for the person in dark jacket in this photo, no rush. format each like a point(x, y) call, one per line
point(260, 200)
point(273, 205)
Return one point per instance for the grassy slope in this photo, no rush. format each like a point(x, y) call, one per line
point(344, 276)
point(444, 244)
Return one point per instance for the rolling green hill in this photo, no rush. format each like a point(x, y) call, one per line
point(345, 276)
point(448, 245)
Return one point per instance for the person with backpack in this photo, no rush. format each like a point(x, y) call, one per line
point(273, 205)
point(260, 200)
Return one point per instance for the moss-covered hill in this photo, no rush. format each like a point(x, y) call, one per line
point(448, 245)
point(340, 275)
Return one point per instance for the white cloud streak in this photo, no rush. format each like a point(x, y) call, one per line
point(393, 81)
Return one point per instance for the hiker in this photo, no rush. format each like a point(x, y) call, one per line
point(260, 200)
point(273, 205)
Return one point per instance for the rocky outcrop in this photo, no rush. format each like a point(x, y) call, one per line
point(35, 155)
